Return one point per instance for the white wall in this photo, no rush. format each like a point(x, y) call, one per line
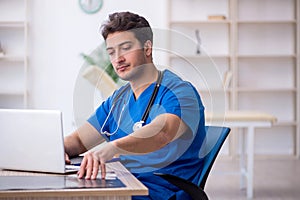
point(58, 32)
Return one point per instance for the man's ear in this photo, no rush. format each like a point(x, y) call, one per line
point(148, 48)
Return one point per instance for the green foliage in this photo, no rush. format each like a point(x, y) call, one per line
point(100, 58)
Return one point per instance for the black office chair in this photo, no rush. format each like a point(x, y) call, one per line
point(215, 138)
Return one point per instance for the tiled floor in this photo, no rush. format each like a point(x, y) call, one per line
point(273, 179)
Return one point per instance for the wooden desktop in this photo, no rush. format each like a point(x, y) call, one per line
point(133, 187)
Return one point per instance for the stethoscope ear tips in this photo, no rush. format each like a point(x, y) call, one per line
point(137, 125)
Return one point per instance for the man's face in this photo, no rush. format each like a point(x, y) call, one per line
point(126, 54)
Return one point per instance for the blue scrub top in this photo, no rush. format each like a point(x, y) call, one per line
point(180, 157)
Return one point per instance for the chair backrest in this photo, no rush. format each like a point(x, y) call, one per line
point(215, 138)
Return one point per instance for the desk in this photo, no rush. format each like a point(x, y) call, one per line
point(249, 120)
point(133, 187)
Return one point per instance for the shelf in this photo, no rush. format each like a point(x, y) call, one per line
point(218, 90)
point(266, 39)
point(286, 123)
point(267, 56)
point(267, 21)
point(196, 23)
point(213, 39)
point(13, 63)
point(258, 43)
point(12, 24)
point(13, 58)
point(266, 10)
point(201, 56)
point(12, 92)
point(197, 10)
point(266, 90)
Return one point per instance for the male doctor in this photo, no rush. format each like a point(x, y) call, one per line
point(155, 123)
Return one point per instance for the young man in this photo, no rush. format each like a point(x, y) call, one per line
point(155, 123)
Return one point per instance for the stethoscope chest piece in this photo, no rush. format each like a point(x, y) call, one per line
point(137, 125)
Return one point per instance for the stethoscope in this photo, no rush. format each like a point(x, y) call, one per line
point(139, 124)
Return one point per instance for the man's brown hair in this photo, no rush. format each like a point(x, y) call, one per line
point(127, 21)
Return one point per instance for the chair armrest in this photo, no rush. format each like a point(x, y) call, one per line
point(193, 190)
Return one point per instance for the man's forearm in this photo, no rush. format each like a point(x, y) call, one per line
point(83, 139)
point(151, 137)
point(73, 145)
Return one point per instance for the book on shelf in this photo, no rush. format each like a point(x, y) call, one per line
point(216, 17)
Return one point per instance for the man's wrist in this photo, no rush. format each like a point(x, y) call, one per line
point(115, 145)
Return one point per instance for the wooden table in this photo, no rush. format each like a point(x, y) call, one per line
point(248, 120)
point(133, 187)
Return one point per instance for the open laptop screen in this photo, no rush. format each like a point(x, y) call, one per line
point(32, 140)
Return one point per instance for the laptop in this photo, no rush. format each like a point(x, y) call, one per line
point(32, 140)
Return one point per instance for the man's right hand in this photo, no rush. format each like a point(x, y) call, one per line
point(67, 159)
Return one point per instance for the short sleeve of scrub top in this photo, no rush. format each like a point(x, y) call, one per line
point(175, 96)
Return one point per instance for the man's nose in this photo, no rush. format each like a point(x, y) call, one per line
point(119, 57)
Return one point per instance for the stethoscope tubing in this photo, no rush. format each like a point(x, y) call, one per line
point(140, 123)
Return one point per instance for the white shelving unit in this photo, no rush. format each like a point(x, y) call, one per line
point(13, 59)
point(257, 41)
point(267, 58)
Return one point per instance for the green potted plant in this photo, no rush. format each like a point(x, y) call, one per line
point(100, 72)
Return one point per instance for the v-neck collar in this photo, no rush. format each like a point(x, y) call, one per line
point(147, 92)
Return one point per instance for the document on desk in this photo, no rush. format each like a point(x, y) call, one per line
point(55, 182)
